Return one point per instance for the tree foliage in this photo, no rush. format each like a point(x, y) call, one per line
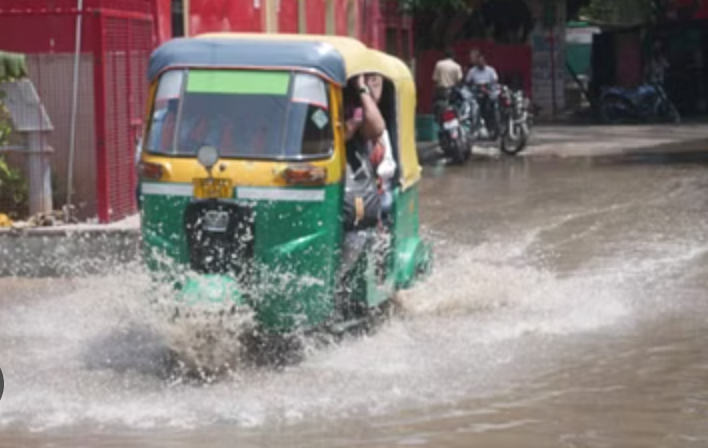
point(635, 11)
point(442, 22)
point(13, 184)
point(438, 5)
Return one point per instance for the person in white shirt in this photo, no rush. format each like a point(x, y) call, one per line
point(380, 150)
point(480, 72)
point(448, 73)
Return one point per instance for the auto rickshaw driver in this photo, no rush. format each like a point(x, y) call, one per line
point(364, 124)
point(205, 126)
point(364, 120)
point(381, 151)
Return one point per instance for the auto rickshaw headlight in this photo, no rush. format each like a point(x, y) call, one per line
point(208, 156)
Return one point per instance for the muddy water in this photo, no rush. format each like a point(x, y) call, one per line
point(567, 309)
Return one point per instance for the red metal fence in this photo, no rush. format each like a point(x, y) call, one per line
point(117, 38)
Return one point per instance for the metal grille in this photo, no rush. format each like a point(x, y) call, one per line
point(117, 38)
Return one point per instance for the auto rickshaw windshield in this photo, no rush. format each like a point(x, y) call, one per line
point(244, 113)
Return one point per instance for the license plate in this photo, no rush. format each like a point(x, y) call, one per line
point(453, 124)
point(216, 221)
point(213, 188)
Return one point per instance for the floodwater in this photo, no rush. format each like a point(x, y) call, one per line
point(567, 309)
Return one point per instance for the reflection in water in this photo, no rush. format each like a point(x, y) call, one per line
point(564, 310)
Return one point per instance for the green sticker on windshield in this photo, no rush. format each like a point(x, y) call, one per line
point(238, 81)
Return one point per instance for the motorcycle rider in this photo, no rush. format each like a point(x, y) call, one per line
point(480, 73)
point(483, 75)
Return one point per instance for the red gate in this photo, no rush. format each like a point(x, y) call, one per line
point(117, 38)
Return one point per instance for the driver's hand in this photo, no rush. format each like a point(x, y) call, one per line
point(361, 81)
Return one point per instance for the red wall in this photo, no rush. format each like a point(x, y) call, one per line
point(288, 17)
point(163, 17)
point(47, 34)
point(316, 16)
point(241, 15)
point(36, 27)
point(374, 23)
point(340, 17)
point(701, 13)
point(506, 59)
point(629, 59)
point(223, 15)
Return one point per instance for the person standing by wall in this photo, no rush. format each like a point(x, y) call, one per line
point(446, 75)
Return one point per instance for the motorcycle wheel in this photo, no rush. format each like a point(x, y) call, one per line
point(513, 146)
point(611, 108)
point(457, 152)
point(468, 144)
point(451, 148)
point(670, 113)
point(493, 126)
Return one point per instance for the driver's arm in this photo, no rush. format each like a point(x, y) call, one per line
point(373, 124)
point(353, 124)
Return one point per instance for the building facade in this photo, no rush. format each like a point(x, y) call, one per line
point(377, 23)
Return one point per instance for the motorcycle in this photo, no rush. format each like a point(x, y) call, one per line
point(454, 117)
point(506, 118)
point(487, 118)
point(646, 102)
point(515, 121)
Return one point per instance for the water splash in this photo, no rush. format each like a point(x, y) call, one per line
point(96, 352)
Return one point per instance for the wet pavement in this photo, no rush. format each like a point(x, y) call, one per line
point(595, 140)
point(567, 309)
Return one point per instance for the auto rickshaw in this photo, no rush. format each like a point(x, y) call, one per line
point(243, 181)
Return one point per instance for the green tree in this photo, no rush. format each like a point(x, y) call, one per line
point(13, 185)
point(442, 22)
point(630, 12)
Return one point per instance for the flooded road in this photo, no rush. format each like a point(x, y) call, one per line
point(567, 309)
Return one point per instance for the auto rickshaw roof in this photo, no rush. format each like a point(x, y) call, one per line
point(220, 51)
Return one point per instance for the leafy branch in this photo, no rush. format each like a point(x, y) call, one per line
point(13, 185)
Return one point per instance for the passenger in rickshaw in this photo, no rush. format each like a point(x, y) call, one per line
point(369, 153)
point(364, 124)
point(381, 151)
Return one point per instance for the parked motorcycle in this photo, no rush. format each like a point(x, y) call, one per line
point(646, 102)
point(454, 121)
point(504, 115)
point(486, 121)
point(515, 121)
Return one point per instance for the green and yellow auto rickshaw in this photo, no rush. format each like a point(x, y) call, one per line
point(244, 180)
